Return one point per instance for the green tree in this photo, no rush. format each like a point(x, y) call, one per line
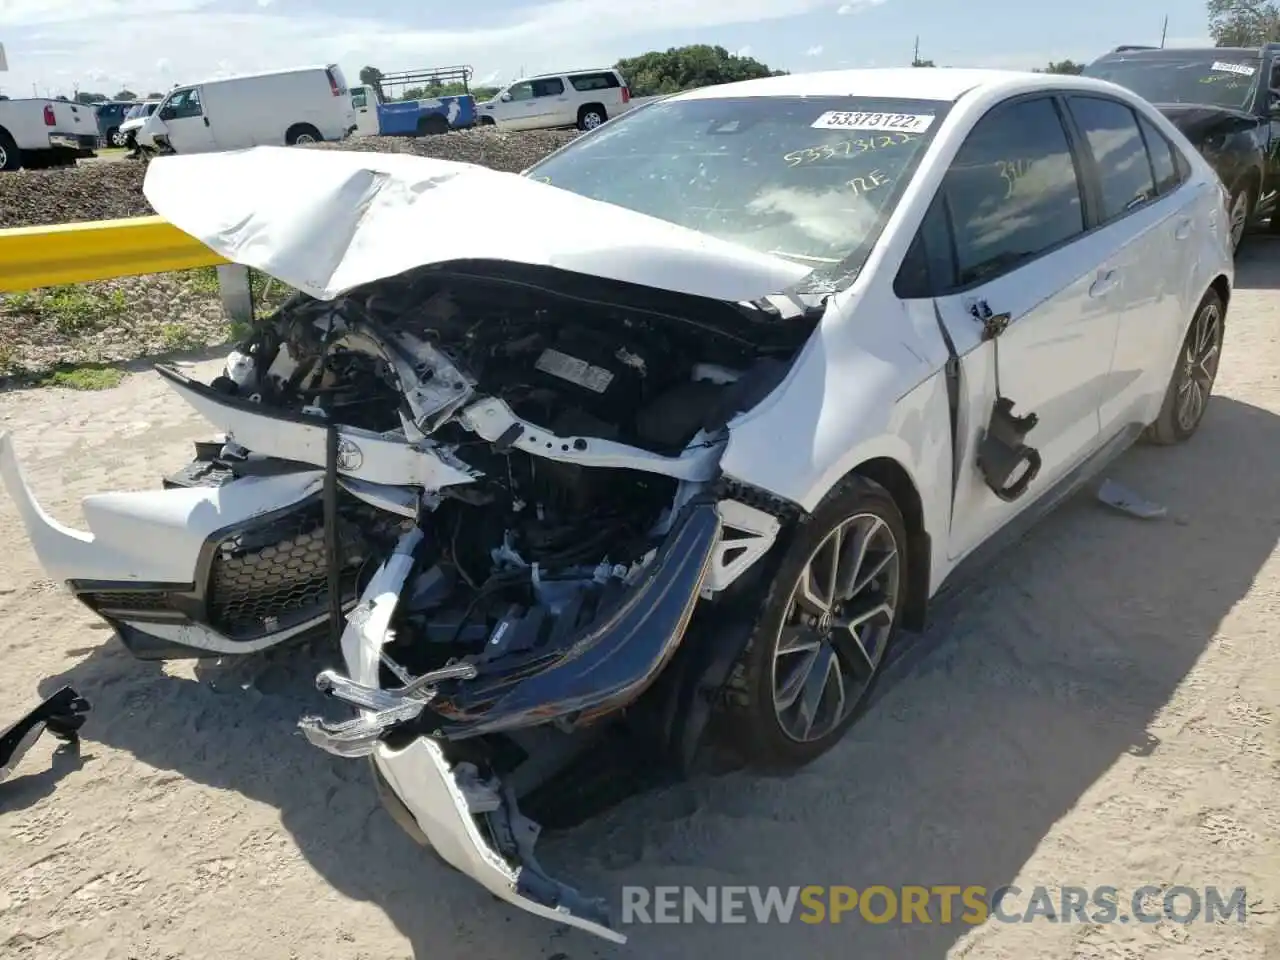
point(1243, 23)
point(155, 96)
point(917, 62)
point(85, 97)
point(125, 94)
point(370, 76)
point(1063, 66)
point(683, 68)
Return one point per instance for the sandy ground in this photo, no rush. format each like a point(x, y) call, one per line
point(1102, 711)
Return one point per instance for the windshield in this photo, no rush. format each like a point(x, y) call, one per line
point(811, 179)
point(1216, 79)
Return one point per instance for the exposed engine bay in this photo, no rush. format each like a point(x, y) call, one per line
point(533, 546)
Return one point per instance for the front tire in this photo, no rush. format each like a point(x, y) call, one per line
point(1240, 211)
point(830, 614)
point(1194, 374)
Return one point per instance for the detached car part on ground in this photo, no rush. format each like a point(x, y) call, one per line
point(62, 714)
point(549, 461)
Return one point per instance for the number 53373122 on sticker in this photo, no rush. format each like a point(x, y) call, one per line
point(897, 122)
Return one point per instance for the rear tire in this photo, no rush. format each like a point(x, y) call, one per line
point(591, 116)
point(10, 155)
point(1194, 373)
point(432, 126)
point(302, 133)
point(114, 139)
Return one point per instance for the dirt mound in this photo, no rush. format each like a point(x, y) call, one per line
point(111, 189)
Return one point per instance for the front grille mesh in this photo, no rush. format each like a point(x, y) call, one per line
point(282, 579)
point(126, 600)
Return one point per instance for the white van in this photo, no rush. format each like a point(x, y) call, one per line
point(302, 105)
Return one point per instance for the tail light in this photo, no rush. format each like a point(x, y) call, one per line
point(49, 119)
point(333, 84)
point(626, 94)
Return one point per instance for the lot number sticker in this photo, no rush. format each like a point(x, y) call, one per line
point(1243, 69)
point(896, 122)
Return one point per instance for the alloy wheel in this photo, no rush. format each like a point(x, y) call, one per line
point(1199, 366)
point(836, 627)
point(591, 120)
point(117, 138)
point(1239, 217)
point(4, 157)
point(304, 138)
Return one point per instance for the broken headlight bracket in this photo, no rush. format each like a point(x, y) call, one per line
point(62, 714)
point(1008, 464)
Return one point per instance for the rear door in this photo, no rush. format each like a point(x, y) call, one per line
point(1148, 224)
point(1012, 222)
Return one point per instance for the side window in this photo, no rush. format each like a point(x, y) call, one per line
point(359, 99)
point(185, 103)
point(1012, 190)
point(551, 87)
point(1168, 174)
point(521, 91)
point(1111, 130)
point(929, 267)
point(593, 81)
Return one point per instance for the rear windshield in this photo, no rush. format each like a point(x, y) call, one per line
point(807, 178)
point(1218, 79)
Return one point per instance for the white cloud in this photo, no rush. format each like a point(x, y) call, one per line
point(122, 37)
point(814, 51)
point(857, 6)
point(743, 51)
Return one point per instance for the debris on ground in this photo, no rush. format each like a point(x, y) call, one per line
point(62, 714)
point(1121, 498)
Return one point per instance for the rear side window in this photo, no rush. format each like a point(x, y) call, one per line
point(1164, 155)
point(1119, 151)
point(1012, 190)
point(550, 87)
point(593, 81)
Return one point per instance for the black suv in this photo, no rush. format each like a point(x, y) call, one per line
point(1226, 100)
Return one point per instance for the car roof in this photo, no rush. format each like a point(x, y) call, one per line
point(565, 73)
point(907, 83)
point(1174, 53)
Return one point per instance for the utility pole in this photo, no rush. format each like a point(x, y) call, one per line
point(915, 57)
point(1164, 31)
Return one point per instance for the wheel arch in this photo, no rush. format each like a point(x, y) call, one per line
point(593, 106)
point(1222, 287)
point(888, 473)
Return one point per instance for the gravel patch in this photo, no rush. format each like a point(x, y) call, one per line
point(121, 320)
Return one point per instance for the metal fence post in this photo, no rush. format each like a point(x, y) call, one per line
point(236, 293)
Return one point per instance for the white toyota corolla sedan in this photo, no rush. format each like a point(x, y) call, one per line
point(686, 422)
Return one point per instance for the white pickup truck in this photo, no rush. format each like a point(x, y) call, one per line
point(39, 133)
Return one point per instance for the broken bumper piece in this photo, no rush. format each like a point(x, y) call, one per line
point(62, 714)
point(473, 822)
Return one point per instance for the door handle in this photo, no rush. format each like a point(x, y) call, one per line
point(206, 121)
point(1183, 230)
point(1105, 283)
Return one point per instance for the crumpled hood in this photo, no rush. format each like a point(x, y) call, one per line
point(325, 221)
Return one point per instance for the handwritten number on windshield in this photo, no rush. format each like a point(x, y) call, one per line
point(872, 181)
point(846, 148)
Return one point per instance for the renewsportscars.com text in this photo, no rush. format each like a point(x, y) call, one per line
point(942, 904)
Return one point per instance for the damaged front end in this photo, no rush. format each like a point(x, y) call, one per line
point(497, 484)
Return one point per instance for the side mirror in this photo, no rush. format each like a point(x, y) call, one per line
point(168, 113)
point(506, 98)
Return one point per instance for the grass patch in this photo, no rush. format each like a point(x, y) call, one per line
point(88, 376)
point(73, 308)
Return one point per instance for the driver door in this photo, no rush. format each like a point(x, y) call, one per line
point(1007, 235)
point(186, 123)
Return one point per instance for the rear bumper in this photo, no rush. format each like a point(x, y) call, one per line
point(83, 143)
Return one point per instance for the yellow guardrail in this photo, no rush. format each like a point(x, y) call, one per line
point(102, 250)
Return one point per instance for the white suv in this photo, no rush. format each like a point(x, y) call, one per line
point(579, 98)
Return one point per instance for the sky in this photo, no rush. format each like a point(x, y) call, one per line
point(60, 46)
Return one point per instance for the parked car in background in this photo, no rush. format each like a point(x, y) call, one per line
point(1227, 102)
point(133, 122)
point(110, 115)
point(37, 133)
point(410, 118)
point(578, 98)
point(690, 435)
point(283, 107)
